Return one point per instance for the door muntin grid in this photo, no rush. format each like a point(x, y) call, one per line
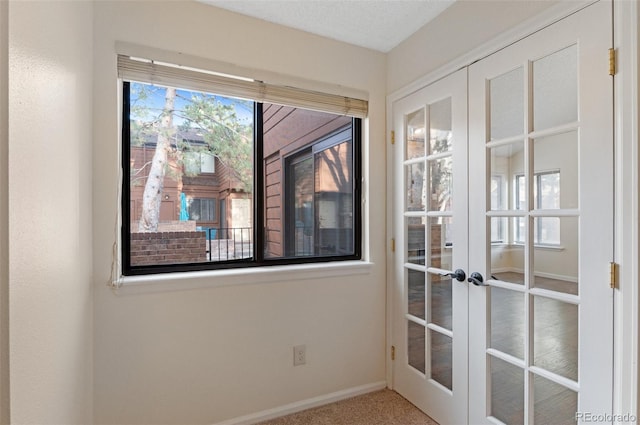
point(533, 218)
point(428, 215)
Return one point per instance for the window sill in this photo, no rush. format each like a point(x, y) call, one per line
point(519, 245)
point(550, 247)
point(241, 276)
point(543, 247)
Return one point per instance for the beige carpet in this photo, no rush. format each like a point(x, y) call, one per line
point(384, 407)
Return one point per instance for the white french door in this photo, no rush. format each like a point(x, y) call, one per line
point(523, 204)
point(430, 323)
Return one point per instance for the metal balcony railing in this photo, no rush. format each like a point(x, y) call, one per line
point(229, 243)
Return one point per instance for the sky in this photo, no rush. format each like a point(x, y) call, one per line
point(156, 99)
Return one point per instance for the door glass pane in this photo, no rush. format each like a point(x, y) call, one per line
point(555, 338)
point(416, 294)
point(441, 301)
point(547, 193)
point(507, 162)
point(555, 89)
point(415, 345)
point(507, 104)
point(554, 404)
point(520, 194)
point(556, 267)
point(507, 259)
point(415, 134)
point(546, 231)
point(555, 163)
point(507, 392)
point(441, 137)
point(440, 184)
point(507, 321)
point(441, 358)
point(500, 236)
point(416, 188)
point(416, 240)
point(520, 229)
point(499, 191)
point(441, 237)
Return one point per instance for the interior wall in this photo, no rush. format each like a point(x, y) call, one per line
point(559, 153)
point(4, 212)
point(462, 27)
point(209, 354)
point(49, 212)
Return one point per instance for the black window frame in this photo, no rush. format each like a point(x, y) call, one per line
point(258, 259)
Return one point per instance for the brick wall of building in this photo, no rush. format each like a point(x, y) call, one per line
point(168, 248)
point(170, 226)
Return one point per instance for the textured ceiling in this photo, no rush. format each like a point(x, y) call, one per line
point(375, 24)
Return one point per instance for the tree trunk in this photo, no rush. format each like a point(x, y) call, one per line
point(152, 196)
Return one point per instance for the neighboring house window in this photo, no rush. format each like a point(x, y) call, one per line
point(203, 209)
point(199, 163)
point(546, 196)
point(286, 179)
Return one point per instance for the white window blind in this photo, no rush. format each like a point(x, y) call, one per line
point(164, 74)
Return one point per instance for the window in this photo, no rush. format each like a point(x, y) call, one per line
point(319, 204)
point(499, 229)
point(199, 163)
point(202, 209)
point(546, 195)
point(217, 181)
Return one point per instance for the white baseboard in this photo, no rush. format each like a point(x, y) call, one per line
point(304, 404)
point(570, 279)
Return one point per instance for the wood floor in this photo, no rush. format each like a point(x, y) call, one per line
point(554, 342)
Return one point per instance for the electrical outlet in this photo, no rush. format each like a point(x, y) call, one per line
point(299, 355)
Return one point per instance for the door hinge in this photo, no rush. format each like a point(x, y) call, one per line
point(393, 352)
point(393, 245)
point(612, 61)
point(613, 275)
point(393, 137)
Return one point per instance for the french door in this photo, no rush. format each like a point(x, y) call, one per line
point(522, 203)
point(431, 320)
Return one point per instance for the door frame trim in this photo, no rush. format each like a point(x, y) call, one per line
point(627, 180)
point(627, 253)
